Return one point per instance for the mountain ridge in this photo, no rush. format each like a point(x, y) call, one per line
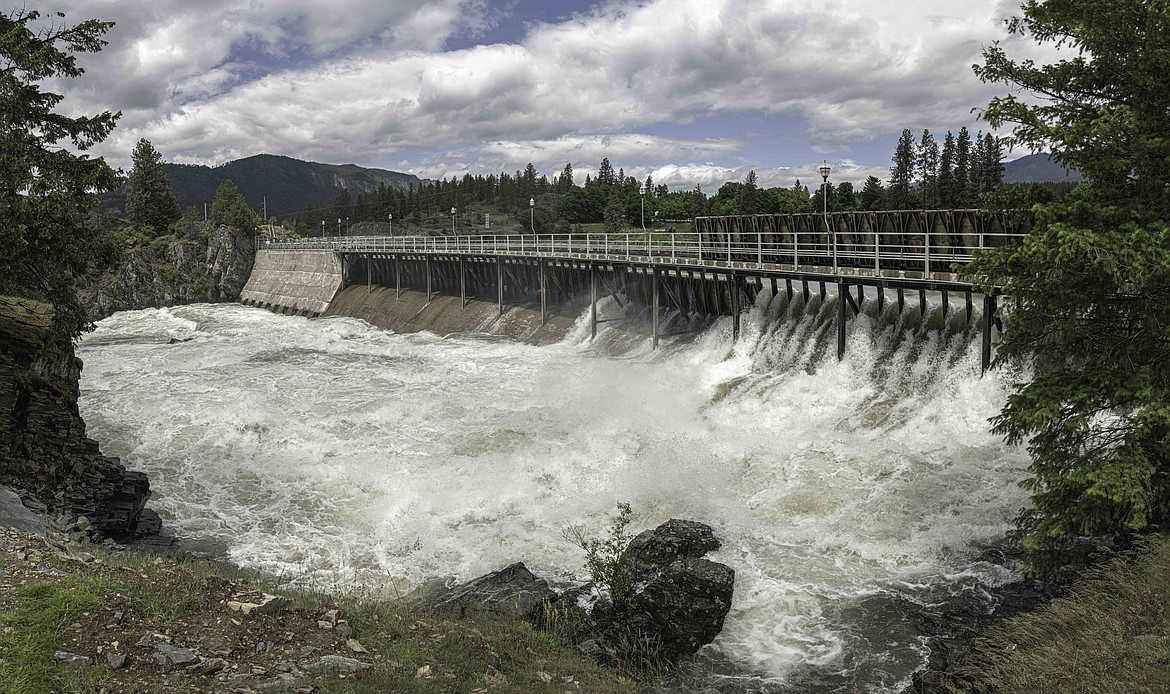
point(289, 185)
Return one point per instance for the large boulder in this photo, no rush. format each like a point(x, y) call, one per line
point(673, 598)
point(512, 591)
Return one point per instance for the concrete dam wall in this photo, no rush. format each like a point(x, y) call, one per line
point(300, 282)
point(320, 283)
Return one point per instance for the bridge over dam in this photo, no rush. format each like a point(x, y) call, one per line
point(717, 269)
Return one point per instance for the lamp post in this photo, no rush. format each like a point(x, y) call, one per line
point(531, 208)
point(390, 218)
point(347, 226)
point(642, 195)
point(824, 169)
point(322, 229)
point(339, 226)
point(452, 221)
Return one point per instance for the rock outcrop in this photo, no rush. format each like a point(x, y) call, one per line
point(44, 451)
point(210, 265)
point(670, 603)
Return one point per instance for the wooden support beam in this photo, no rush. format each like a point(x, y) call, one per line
point(428, 262)
point(397, 277)
point(543, 294)
point(788, 287)
point(462, 284)
point(946, 303)
point(733, 285)
point(772, 280)
point(592, 302)
point(842, 295)
point(654, 308)
point(988, 314)
point(970, 308)
point(848, 297)
point(922, 302)
point(860, 297)
point(369, 276)
point(500, 282)
point(881, 300)
point(804, 287)
point(822, 283)
point(901, 300)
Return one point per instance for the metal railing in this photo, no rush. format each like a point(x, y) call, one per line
point(874, 252)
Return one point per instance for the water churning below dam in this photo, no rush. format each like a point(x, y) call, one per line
point(339, 455)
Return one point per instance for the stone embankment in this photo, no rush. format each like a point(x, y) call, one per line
point(44, 452)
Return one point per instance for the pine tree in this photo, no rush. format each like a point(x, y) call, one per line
point(927, 167)
point(748, 195)
point(873, 195)
point(615, 212)
point(230, 208)
point(565, 180)
point(47, 189)
point(947, 191)
point(963, 168)
point(1090, 284)
point(605, 173)
point(901, 173)
point(150, 204)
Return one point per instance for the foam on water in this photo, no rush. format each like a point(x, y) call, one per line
point(338, 454)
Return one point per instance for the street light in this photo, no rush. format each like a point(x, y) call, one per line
point(452, 221)
point(390, 218)
point(824, 169)
point(339, 226)
point(531, 207)
point(322, 228)
point(642, 194)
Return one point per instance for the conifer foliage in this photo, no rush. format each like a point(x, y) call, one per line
point(1090, 286)
point(150, 204)
point(45, 187)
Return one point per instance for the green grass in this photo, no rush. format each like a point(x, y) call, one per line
point(30, 635)
point(1108, 635)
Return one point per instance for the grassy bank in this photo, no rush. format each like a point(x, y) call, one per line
point(1110, 634)
point(162, 624)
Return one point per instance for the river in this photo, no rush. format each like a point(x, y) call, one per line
point(343, 457)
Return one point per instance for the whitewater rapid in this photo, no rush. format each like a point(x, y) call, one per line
point(343, 457)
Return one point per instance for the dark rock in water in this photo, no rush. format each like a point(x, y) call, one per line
point(671, 601)
point(43, 447)
point(512, 591)
point(675, 598)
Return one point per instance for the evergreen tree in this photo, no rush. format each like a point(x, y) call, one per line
point(605, 173)
point(901, 173)
point(230, 208)
point(565, 180)
point(947, 191)
point(748, 195)
point(150, 204)
point(615, 212)
point(991, 164)
point(927, 166)
point(963, 167)
point(46, 188)
point(1090, 284)
point(873, 195)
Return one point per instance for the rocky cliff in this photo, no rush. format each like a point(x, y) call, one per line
point(209, 265)
point(44, 451)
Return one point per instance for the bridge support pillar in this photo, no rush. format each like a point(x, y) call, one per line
point(543, 294)
point(804, 287)
point(369, 275)
point(881, 300)
point(500, 282)
point(462, 284)
point(788, 288)
point(397, 277)
point(822, 292)
point(901, 300)
point(970, 308)
point(922, 303)
point(592, 302)
point(988, 320)
point(842, 292)
point(654, 308)
point(946, 303)
point(428, 279)
point(734, 286)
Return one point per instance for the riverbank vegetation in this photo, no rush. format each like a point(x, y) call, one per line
point(83, 618)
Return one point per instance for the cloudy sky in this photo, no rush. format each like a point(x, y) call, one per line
point(689, 91)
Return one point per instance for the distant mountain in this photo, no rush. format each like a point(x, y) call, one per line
point(290, 185)
point(1038, 168)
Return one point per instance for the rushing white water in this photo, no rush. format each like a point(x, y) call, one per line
point(339, 455)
